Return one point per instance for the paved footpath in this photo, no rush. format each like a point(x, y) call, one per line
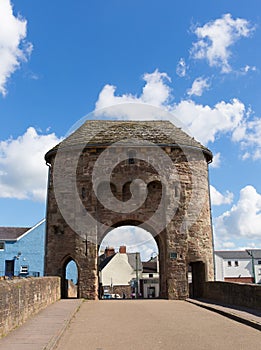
point(133, 324)
point(42, 331)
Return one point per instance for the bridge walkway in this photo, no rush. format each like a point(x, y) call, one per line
point(140, 325)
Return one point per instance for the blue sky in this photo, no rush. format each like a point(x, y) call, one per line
point(200, 60)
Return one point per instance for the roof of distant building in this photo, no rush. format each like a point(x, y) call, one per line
point(239, 254)
point(103, 260)
point(132, 261)
point(12, 233)
point(106, 132)
point(149, 266)
point(15, 233)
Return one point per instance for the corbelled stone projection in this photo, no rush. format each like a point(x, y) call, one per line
point(107, 174)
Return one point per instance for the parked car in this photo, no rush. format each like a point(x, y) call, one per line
point(115, 296)
point(107, 296)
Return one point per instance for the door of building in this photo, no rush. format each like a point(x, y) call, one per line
point(9, 268)
point(151, 292)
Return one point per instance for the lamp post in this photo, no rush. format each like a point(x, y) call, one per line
point(137, 277)
point(157, 259)
point(250, 253)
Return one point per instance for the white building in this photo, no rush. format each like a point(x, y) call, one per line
point(124, 273)
point(149, 283)
point(117, 271)
point(238, 266)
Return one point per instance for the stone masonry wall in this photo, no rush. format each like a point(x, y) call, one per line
point(22, 298)
point(248, 295)
point(186, 233)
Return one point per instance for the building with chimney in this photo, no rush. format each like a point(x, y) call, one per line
point(118, 272)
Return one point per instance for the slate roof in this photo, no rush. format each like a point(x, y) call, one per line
point(149, 266)
point(12, 233)
point(132, 261)
point(239, 254)
point(103, 261)
point(105, 132)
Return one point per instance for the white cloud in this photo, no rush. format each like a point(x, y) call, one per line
point(204, 122)
point(23, 172)
point(247, 69)
point(155, 92)
point(248, 134)
point(216, 37)
point(243, 219)
point(228, 245)
point(216, 161)
point(198, 86)
point(218, 198)
point(13, 47)
point(181, 68)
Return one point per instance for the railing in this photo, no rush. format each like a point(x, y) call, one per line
point(19, 274)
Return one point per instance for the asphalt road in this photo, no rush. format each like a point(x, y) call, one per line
point(154, 325)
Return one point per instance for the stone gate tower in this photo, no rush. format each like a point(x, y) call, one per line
point(113, 173)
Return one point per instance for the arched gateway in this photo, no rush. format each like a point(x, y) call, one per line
point(113, 173)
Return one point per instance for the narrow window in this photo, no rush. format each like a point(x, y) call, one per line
point(2, 245)
point(229, 263)
point(83, 192)
point(176, 190)
point(131, 157)
point(236, 263)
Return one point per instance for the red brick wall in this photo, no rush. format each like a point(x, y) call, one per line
point(239, 279)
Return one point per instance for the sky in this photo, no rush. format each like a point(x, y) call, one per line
point(199, 60)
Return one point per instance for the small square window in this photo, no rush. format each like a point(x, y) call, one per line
point(150, 275)
point(236, 263)
point(2, 245)
point(173, 255)
point(229, 263)
point(24, 269)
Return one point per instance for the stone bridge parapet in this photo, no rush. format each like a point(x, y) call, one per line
point(22, 298)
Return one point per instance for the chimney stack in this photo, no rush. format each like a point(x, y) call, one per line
point(122, 249)
point(109, 251)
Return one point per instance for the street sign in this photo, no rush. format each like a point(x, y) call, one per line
point(173, 255)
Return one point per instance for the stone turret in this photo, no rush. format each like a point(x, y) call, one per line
point(170, 199)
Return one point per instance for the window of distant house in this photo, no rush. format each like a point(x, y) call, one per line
point(258, 262)
point(229, 263)
point(24, 269)
point(259, 271)
point(236, 263)
point(150, 275)
point(2, 245)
